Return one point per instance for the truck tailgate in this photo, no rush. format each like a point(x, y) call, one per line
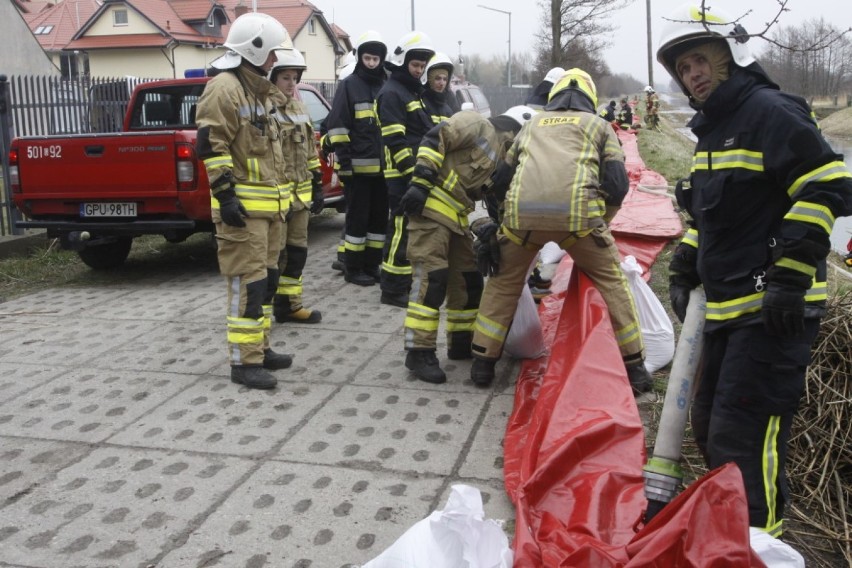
point(98, 166)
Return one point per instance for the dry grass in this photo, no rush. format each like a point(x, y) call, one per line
point(838, 124)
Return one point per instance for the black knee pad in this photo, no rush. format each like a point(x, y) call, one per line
point(271, 284)
point(474, 283)
point(296, 259)
point(255, 292)
point(436, 288)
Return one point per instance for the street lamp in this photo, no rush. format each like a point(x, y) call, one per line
point(509, 65)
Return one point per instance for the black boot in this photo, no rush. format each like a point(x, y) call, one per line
point(459, 345)
point(373, 272)
point(275, 361)
point(424, 364)
point(640, 378)
point(358, 277)
point(253, 376)
point(398, 300)
point(482, 371)
point(337, 265)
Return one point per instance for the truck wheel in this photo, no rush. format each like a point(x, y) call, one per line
point(109, 255)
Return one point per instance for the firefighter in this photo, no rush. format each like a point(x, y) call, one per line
point(455, 159)
point(301, 172)
point(436, 88)
point(652, 108)
point(238, 141)
point(569, 181)
point(625, 115)
point(763, 194)
point(608, 112)
point(538, 98)
point(404, 121)
point(356, 138)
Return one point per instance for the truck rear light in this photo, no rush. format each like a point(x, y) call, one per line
point(187, 167)
point(14, 178)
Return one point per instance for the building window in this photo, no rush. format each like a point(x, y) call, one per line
point(43, 30)
point(312, 27)
point(119, 17)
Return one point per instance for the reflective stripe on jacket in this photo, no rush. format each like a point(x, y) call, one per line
point(298, 145)
point(404, 121)
point(353, 127)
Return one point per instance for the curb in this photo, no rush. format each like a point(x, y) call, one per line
point(21, 245)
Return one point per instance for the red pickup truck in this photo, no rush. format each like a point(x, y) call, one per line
point(96, 192)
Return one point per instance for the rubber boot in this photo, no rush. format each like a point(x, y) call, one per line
point(640, 378)
point(253, 377)
point(373, 272)
point(275, 361)
point(358, 277)
point(337, 265)
point(459, 345)
point(398, 300)
point(424, 364)
point(482, 371)
point(302, 315)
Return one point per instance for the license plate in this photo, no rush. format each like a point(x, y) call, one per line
point(107, 210)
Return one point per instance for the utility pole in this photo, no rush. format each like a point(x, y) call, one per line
point(509, 63)
point(412, 15)
point(650, 47)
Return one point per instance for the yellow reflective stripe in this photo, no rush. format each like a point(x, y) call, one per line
point(519, 241)
point(260, 191)
point(421, 311)
point(433, 156)
point(812, 213)
point(245, 330)
point(818, 292)
point(354, 247)
point(267, 318)
point(288, 286)
point(304, 190)
point(423, 325)
point(627, 334)
point(730, 309)
point(490, 328)
point(366, 113)
point(691, 238)
point(339, 139)
point(729, 159)
point(770, 469)
point(582, 179)
point(414, 105)
point(390, 129)
point(421, 181)
point(219, 162)
point(393, 269)
point(253, 169)
point(404, 153)
point(828, 172)
point(388, 266)
point(313, 163)
point(796, 265)
point(461, 320)
point(438, 206)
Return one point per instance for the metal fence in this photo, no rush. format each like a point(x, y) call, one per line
point(503, 98)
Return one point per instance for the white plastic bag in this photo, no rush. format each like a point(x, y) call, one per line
point(525, 339)
point(773, 552)
point(458, 537)
point(551, 253)
point(657, 329)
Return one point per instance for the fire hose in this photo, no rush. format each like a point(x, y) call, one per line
point(663, 474)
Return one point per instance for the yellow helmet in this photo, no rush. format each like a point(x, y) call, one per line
point(578, 80)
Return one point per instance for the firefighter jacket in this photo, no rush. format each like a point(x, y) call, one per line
point(301, 160)
point(404, 121)
point(354, 133)
point(455, 159)
point(238, 140)
point(437, 105)
point(765, 191)
point(569, 169)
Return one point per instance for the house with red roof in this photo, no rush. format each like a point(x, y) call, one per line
point(22, 54)
point(165, 38)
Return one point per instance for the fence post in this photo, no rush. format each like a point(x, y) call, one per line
point(12, 213)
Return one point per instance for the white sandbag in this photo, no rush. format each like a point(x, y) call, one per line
point(551, 253)
point(657, 329)
point(525, 339)
point(458, 537)
point(773, 552)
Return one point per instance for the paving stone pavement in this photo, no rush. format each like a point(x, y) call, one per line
point(123, 442)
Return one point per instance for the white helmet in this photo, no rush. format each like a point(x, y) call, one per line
point(649, 89)
point(253, 35)
point(345, 71)
point(289, 59)
point(438, 61)
point(411, 42)
point(554, 74)
point(689, 23)
point(372, 39)
point(520, 114)
point(578, 80)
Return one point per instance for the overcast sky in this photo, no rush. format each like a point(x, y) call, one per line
point(486, 32)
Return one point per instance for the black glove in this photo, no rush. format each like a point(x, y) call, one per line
point(783, 310)
point(414, 200)
point(487, 248)
point(406, 165)
point(500, 180)
point(679, 296)
point(317, 200)
point(230, 208)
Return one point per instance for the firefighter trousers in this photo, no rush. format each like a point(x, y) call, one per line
point(443, 267)
point(366, 223)
point(396, 270)
point(594, 253)
point(247, 259)
point(291, 262)
point(749, 388)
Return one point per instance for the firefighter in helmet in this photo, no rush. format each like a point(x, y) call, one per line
point(437, 96)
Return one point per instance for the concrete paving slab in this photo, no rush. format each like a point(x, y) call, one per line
point(217, 416)
point(21, 377)
point(117, 507)
point(294, 515)
point(62, 301)
point(26, 463)
point(87, 405)
point(485, 458)
point(390, 428)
